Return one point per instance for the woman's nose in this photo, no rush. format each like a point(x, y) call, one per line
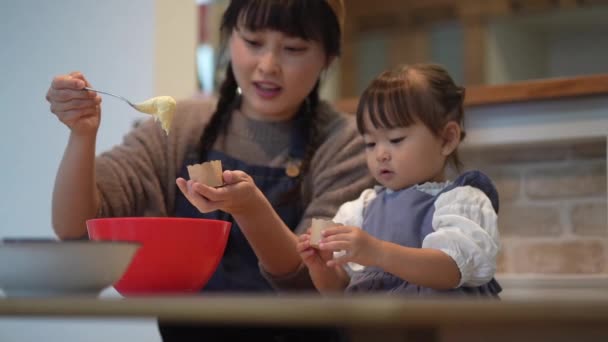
point(269, 63)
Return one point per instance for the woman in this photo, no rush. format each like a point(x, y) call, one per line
point(291, 156)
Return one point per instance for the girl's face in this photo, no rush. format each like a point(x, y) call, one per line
point(274, 71)
point(401, 157)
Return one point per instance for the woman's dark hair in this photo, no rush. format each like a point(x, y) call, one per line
point(311, 20)
point(424, 92)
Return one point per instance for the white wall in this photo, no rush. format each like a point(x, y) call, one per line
point(115, 44)
point(111, 42)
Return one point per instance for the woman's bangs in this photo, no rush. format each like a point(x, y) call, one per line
point(290, 17)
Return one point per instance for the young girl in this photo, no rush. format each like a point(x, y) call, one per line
point(289, 155)
point(418, 232)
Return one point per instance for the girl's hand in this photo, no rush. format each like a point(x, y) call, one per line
point(360, 247)
point(78, 109)
point(238, 195)
point(312, 257)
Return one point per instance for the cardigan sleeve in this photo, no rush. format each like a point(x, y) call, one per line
point(137, 177)
point(338, 174)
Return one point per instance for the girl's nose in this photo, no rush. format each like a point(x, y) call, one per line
point(269, 63)
point(383, 155)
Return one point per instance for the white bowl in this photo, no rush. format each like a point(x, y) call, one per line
point(43, 267)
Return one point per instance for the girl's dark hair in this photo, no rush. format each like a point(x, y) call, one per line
point(424, 92)
point(311, 20)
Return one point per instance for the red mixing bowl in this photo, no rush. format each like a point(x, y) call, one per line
point(177, 255)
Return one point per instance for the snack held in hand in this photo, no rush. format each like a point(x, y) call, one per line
point(315, 230)
point(163, 109)
point(208, 173)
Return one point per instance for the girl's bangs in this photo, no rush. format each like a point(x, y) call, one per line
point(385, 107)
point(398, 98)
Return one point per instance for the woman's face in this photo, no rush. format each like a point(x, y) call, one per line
point(274, 71)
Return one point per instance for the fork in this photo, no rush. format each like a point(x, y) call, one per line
point(116, 96)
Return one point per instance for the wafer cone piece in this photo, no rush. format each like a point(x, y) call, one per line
point(208, 173)
point(315, 230)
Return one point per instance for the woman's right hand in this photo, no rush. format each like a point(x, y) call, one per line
point(78, 109)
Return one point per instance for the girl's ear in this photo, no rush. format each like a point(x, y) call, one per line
point(451, 137)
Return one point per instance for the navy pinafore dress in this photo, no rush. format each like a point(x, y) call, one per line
point(405, 217)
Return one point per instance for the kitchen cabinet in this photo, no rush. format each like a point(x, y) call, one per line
point(480, 42)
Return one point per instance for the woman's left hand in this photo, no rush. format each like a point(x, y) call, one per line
point(360, 247)
point(238, 195)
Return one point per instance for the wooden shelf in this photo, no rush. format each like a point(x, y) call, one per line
point(536, 90)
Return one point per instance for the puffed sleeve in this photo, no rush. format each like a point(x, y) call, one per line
point(465, 228)
point(351, 214)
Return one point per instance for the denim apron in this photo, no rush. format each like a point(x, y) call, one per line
point(238, 270)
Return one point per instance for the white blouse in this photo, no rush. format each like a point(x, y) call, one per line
point(464, 224)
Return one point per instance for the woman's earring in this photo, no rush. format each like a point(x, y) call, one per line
point(238, 90)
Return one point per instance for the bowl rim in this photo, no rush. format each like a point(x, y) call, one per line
point(14, 241)
point(154, 218)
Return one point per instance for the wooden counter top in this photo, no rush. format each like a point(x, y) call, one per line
point(561, 317)
point(376, 311)
point(535, 90)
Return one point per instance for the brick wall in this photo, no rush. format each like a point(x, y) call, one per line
point(553, 210)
